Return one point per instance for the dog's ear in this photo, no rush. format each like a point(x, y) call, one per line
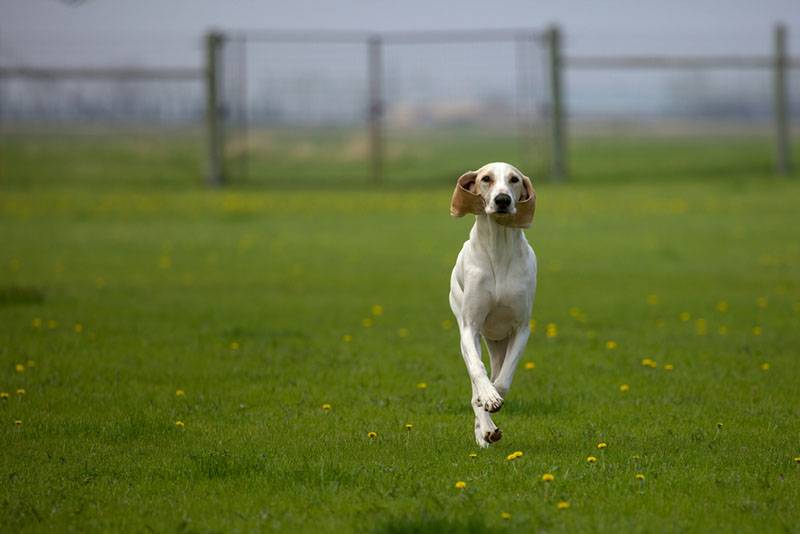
point(526, 205)
point(465, 197)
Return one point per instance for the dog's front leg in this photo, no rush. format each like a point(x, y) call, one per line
point(484, 393)
point(516, 347)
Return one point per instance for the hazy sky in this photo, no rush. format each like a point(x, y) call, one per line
point(166, 31)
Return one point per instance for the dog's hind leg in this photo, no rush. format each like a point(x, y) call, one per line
point(486, 432)
point(497, 355)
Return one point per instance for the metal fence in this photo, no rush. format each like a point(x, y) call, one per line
point(276, 108)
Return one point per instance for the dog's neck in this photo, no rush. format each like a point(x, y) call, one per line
point(497, 240)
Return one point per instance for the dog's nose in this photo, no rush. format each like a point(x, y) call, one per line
point(502, 201)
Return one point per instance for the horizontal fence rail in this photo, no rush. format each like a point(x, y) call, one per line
point(103, 73)
point(675, 62)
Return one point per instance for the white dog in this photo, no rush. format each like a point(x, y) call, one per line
point(493, 283)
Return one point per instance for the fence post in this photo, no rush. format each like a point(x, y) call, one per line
point(783, 163)
point(216, 165)
point(375, 119)
point(557, 124)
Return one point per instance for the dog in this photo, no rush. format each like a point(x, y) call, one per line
point(493, 284)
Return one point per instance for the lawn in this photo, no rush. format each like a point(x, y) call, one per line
point(239, 313)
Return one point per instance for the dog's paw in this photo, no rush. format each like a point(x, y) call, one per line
point(493, 437)
point(490, 399)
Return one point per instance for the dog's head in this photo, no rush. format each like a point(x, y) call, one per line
point(498, 190)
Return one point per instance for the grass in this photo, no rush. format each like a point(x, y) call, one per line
point(115, 297)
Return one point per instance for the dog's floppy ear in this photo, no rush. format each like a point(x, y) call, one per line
point(465, 197)
point(526, 206)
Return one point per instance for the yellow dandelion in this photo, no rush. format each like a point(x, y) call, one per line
point(514, 455)
point(640, 477)
point(591, 459)
point(551, 330)
point(326, 407)
point(372, 435)
point(447, 324)
point(532, 326)
point(409, 426)
point(20, 368)
point(377, 310)
point(797, 459)
point(367, 322)
point(602, 445)
point(611, 344)
point(180, 393)
point(652, 300)
point(461, 484)
point(347, 338)
point(21, 392)
point(530, 365)
point(685, 316)
point(78, 328)
point(649, 362)
point(548, 477)
point(761, 302)
point(235, 345)
point(505, 516)
point(51, 324)
point(723, 330)
point(37, 322)
point(562, 505)
point(180, 425)
point(722, 306)
point(668, 367)
point(757, 330)
point(4, 395)
point(624, 388)
point(700, 327)
point(422, 385)
point(473, 455)
point(403, 332)
point(164, 262)
point(17, 423)
point(765, 366)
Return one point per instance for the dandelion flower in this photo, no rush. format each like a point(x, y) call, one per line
point(757, 330)
point(422, 385)
point(473, 455)
point(505, 516)
point(652, 300)
point(21, 392)
point(591, 459)
point(20, 368)
point(548, 477)
point(326, 407)
point(797, 459)
point(37, 322)
point(611, 344)
point(403, 332)
point(668, 367)
point(180, 393)
point(78, 328)
point(551, 330)
point(722, 306)
point(530, 365)
point(761, 302)
point(532, 326)
point(372, 435)
point(17, 423)
point(367, 322)
point(700, 327)
point(640, 477)
point(461, 484)
point(649, 362)
point(4, 395)
point(685, 316)
point(624, 388)
point(180, 424)
point(765, 366)
point(602, 445)
point(377, 310)
point(235, 345)
point(409, 426)
point(563, 505)
point(514, 455)
point(347, 338)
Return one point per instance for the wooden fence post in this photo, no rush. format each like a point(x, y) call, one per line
point(557, 120)
point(375, 112)
point(216, 165)
point(783, 163)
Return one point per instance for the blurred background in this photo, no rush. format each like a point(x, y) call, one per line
point(270, 94)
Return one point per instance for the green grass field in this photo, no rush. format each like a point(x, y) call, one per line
point(259, 305)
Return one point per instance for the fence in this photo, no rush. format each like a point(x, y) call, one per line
point(402, 107)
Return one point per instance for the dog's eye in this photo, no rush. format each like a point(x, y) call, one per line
point(486, 179)
point(514, 179)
